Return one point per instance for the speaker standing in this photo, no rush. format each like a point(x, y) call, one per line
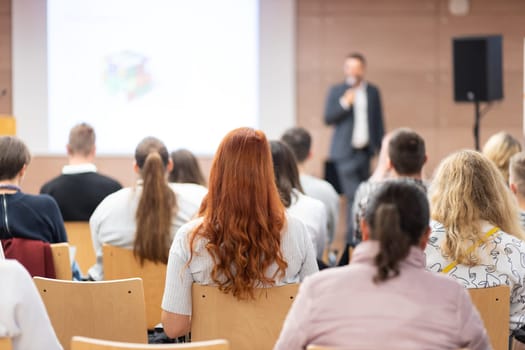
point(354, 108)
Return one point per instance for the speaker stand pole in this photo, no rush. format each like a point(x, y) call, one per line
point(477, 117)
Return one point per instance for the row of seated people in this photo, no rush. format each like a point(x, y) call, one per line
point(244, 238)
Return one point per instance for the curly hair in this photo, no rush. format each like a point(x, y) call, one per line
point(243, 216)
point(466, 189)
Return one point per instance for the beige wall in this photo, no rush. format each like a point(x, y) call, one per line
point(408, 46)
point(5, 56)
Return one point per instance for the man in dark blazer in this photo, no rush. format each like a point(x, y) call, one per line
point(354, 108)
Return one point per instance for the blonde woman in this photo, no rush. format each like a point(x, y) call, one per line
point(476, 235)
point(499, 149)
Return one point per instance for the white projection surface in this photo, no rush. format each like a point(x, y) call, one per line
point(183, 71)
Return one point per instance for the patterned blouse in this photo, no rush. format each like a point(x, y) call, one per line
point(502, 263)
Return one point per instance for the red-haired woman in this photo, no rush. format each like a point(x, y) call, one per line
point(242, 240)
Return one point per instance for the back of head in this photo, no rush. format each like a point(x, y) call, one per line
point(398, 216)
point(406, 150)
point(14, 154)
point(499, 148)
point(299, 141)
point(285, 170)
point(243, 216)
point(157, 203)
point(81, 140)
point(186, 168)
point(466, 189)
point(517, 172)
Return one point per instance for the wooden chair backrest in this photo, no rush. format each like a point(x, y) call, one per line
point(246, 324)
point(79, 235)
point(61, 261)
point(318, 347)
point(111, 310)
point(121, 263)
point(493, 305)
point(5, 343)
point(82, 343)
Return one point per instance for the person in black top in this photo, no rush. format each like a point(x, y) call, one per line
point(79, 189)
point(24, 215)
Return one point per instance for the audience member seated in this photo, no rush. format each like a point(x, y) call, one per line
point(80, 188)
point(402, 156)
point(310, 211)
point(243, 238)
point(517, 182)
point(499, 148)
point(146, 217)
point(476, 235)
point(23, 215)
point(23, 316)
point(385, 298)
point(406, 156)
point(300, 141)
point(186, 168)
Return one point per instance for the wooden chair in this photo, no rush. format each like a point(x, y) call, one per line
point(317, 347)
point(5, 343)
point(79, 236)
point(82, 343)
point(61, 261)
point(121, 263)
point(246, 324)
point(111, 310)
point(493, 305)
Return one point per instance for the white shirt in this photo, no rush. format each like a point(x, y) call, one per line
point(23, 316)
point(296, 248)
point(500, 264)
point(79, 169)
point(113, 221)
point(325, 192)
point(312, 213)
point(360, 133)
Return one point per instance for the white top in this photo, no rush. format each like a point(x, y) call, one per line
point(113, 221)
point(325, 192)
point(79, 169)
point(23, 316)
point(296, 248)
point(360, 134)
point(312, 213)
point(500, 264)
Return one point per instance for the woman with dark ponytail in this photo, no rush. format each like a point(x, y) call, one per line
point(385, 296)
point(146, 217)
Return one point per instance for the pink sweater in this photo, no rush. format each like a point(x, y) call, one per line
point(344, 308)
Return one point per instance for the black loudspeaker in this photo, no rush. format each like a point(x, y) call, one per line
point(478, 71)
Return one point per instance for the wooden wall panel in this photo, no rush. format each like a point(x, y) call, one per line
point(5, 56)
point(409, 51)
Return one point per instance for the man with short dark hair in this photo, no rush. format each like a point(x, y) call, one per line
point(406, 158)
point(79, 189)
point(300, 141)
point(354, 109)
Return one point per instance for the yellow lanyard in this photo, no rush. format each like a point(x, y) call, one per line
point(471, 249)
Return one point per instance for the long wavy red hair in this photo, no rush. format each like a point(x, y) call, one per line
point(243, 216)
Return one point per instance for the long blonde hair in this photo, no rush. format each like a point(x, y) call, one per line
point(499, 148)
point(467, 188)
